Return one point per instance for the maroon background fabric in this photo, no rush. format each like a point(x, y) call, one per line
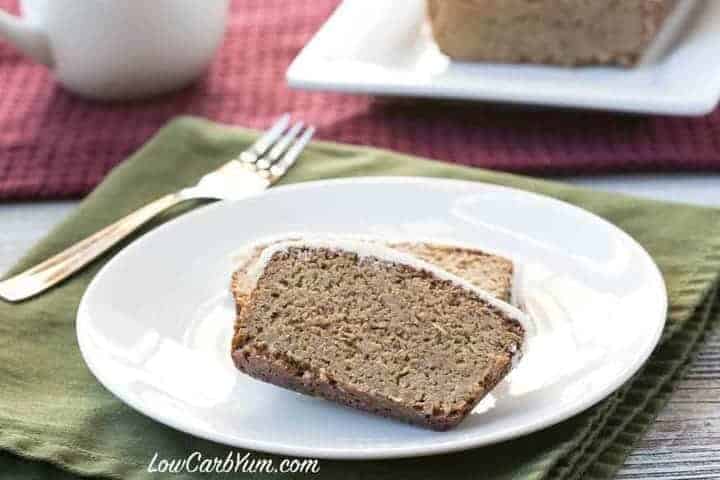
point(53, 144)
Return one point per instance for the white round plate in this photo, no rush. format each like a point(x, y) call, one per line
point(155, 324)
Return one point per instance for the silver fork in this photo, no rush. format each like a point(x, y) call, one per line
point(253, 171)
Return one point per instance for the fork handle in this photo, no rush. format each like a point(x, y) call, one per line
point(58, 267)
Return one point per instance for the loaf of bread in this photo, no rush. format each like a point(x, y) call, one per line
point(563, 32)
point(375, 328)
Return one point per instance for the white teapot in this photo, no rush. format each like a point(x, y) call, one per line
point(119, 49)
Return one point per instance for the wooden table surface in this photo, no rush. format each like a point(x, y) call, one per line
point(684, 443)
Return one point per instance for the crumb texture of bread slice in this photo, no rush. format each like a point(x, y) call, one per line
point(567, 32)
point(489, 272)
point(375, 335)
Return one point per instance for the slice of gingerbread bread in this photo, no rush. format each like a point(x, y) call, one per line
point(373, 328)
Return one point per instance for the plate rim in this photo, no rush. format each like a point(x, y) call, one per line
point(83, 318)
point(693, 102)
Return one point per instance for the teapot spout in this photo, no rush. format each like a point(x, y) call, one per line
point(26, 37)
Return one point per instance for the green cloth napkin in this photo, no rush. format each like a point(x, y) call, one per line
point(53, 413)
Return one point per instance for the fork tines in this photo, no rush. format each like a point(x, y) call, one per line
point(278, 149)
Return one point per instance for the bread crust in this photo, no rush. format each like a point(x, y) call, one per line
point(277, 369)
